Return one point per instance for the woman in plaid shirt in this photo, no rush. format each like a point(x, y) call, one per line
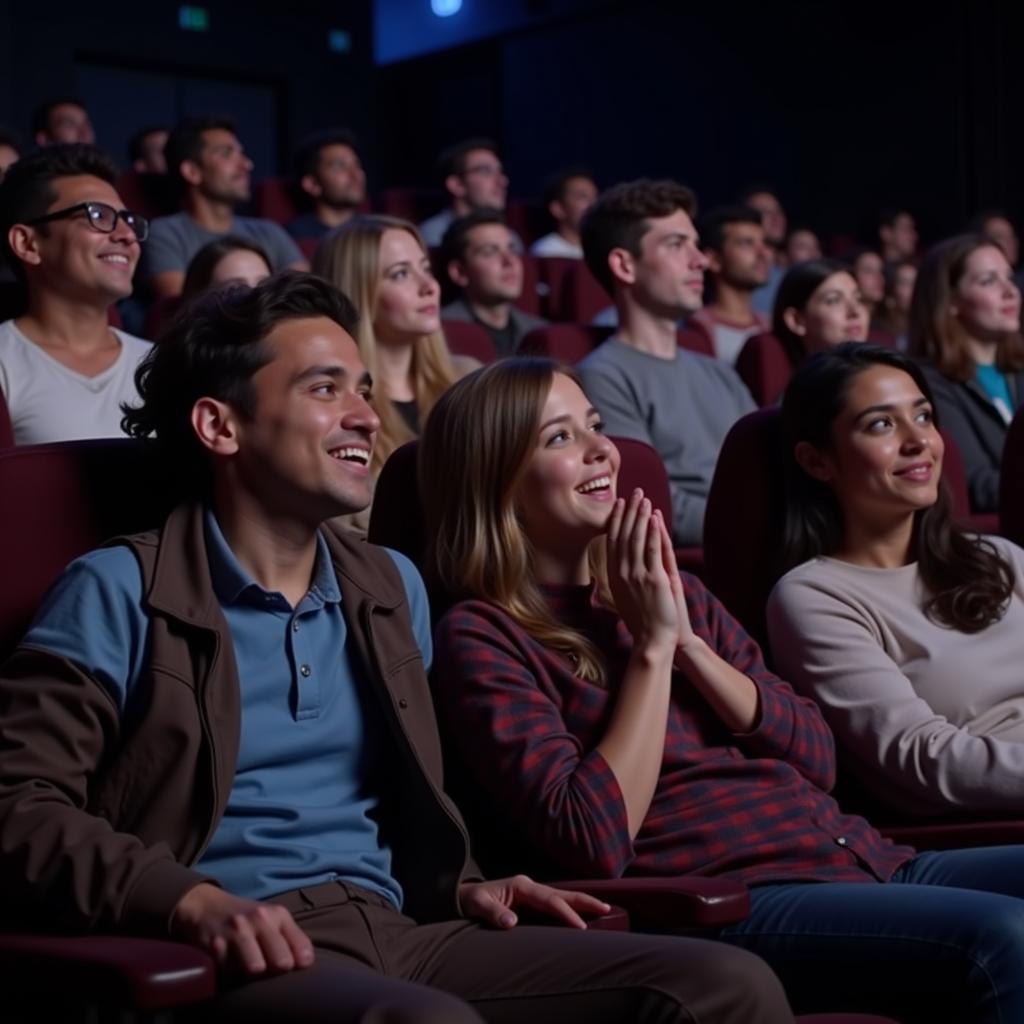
point(617, 720)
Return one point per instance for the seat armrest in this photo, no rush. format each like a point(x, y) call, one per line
point(140, 974)
point(671, 904)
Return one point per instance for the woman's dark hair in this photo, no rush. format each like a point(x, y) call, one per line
point(201, 268)
point(212, 349)
point(968, 582)
point(795, 290)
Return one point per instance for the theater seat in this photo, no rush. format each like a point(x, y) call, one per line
point(552, 272)
point(415, 204)
point(272, 199)
point(6, 427)
point(466, 338)
point(568, 343)
point(764, 367)
point(1011, 482)
point(582, 298)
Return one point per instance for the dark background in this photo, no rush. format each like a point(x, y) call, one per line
point(844, 107)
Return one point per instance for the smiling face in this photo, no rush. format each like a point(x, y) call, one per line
point(566, 493)
point(668, 276)
point(986, 299)
point(408, 295)
point(885, 458)
point(834, 313)
point(305, 453)
point(70, 257)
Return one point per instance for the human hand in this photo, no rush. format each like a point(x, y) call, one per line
point(640, 585)
point(241, 935)
point(668, 558)
point(493, 902)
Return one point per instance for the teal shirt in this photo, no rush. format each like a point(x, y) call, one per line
point(993, 382)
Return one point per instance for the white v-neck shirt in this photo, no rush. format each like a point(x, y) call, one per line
point(47, 401)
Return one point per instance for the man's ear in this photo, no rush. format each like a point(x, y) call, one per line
point(557, 210)
point(794, 320)
point(455, 185)
point(311, 186)
point(24, 243)
point(190, 171)
point(622, 264)
point(813, 462)
point(714, 261)
point(457, 273)
point(216, 425)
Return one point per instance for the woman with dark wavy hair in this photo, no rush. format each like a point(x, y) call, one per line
point(908, 631)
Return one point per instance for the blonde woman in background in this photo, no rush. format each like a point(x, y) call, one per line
point(382, 265)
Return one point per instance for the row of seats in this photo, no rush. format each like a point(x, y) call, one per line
point(86, 491)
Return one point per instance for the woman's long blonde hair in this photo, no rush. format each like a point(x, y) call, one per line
point(475, 448)
point(350, 260)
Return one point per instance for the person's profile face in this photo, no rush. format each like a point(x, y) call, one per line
point(492, 264)
point(408, 296)
point(669, 274)
point(340, 176)
point(483, 180)
point(834, 313)
point(225, 170)
point(986, 299)
point(69, 122)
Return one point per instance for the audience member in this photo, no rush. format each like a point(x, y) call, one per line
point(819, 304)
point(620, 721)
point(739, 262)
point(62, 120)
point(382, 264)
point(295, 827)
point(892, 318)
point(567, 197)
point(897, 235)
point(212, 171)
point(147, 150)
point(996, 226)
point(640, 243)
point(773, 217)
point(965, 321)
point(869, 273)
point(223, 261)
point(802, 244)
point(8, 150)
point(64, 371)
point(472, 175)
point(483, 259)
point(906, 630)
point(330, 175)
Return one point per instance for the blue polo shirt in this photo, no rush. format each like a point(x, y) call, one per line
point(312, 746)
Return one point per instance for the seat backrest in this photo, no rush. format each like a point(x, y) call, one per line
point(529, 300)
point(745, 513)
point(568, 343)
point(415, 204)
point(61, 500)
point(6, 427)
point(695, 341)
point(272, 199)
point(466, 338)
point(552, 273)
point(584, 297)
point(1011, 482)
point(764, 367)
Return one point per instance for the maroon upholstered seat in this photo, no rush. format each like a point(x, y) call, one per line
point(466, 338)
point(568, 343)
point(6, 428)
point(764, 367)
point(272, 199)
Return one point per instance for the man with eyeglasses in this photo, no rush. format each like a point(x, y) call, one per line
point(64, 371)
point(472, 175)
point(207, 160)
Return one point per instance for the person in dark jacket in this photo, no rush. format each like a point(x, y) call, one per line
point(221, 732)
point(965, 322)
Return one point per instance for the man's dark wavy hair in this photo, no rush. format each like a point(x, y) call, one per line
point(212, 350)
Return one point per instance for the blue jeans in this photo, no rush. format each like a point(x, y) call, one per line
point(943, 941)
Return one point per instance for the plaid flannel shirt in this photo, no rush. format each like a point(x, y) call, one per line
point(752, 806)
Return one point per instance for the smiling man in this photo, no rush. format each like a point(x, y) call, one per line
point(640, 243)
point(64, 371)
point(222, 731)
point(213, 173)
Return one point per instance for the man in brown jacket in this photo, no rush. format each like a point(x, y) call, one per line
point(221, 731)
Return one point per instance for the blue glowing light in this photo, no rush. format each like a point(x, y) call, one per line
point(445, 8)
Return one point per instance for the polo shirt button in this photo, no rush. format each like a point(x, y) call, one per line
point(841, 841)
point(306, 671)
point(295, 626)
point(403, 703)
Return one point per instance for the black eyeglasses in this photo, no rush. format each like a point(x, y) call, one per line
point(101, 216)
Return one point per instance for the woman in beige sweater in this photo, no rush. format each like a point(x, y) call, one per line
point(907, 631)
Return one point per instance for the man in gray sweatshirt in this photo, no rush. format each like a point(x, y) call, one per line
point(640, 243)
